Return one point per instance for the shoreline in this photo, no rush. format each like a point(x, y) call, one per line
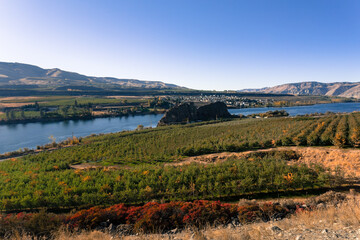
point(51, 120)
point(34, 150)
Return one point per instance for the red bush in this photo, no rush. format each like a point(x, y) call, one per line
point(200, 213)
point(40, 224)
point(264, 212)
point(156, 217)
point(92, 217)
point(151, 217)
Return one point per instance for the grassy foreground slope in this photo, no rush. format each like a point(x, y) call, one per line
point(47, 179)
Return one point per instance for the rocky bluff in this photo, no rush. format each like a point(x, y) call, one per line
point(191, 112)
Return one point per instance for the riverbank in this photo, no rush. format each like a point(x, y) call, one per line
point(30, 135)
point(304, 109)
point(49, 120)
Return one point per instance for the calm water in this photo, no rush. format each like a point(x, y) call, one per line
point(301, 110)
point(15, 136)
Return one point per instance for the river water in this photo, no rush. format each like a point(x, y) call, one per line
point(29, 135)
point(302, 110)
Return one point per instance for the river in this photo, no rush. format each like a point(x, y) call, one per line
point(302, 110)
point(30, 135)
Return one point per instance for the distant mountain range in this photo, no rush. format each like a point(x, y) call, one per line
point(25, 76)
point(341, 89)
point(21, 76)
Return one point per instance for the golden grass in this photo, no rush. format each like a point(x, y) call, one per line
point(11, 105)
point(345, 215)
point(94, 235)
point(16, 98)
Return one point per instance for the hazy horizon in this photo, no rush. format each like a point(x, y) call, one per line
point(221, 45)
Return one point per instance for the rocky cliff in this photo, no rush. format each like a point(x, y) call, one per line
point(190, 112)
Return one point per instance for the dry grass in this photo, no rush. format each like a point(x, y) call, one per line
point(99, 113)
point(12, 105)
point(16, 98)
point(8, 102)
point(133, 97)
point(345, 215)
point(94, 235)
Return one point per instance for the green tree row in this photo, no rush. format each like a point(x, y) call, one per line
point(26, 185)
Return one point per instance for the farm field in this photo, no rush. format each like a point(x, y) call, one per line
point(129, 166)
point(57, 108)
point(24, 109)
point(179, 120)
point(172, 143)
point(67, 100)
point(39, 186)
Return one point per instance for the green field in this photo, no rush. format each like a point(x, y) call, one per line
point(23, 109)
point(57, 108)
point(167, 144)
point(47, 179)
point(27, 184)
point(50, 101)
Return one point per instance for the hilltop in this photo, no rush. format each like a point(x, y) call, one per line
point(341, 89)
point(25, 76)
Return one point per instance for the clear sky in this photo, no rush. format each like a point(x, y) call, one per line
point(202, 44)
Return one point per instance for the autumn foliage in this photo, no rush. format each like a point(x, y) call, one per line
point(40, 223)
point(159, 217)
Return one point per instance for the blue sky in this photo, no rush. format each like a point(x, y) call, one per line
point(202, 44)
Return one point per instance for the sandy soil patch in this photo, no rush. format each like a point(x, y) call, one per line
point(347, 159)
point(90, 166)
point(218, 157)
point(110, 107)
point(15, 104)
point(129, 97)
point(99, 113)
point(16, 98)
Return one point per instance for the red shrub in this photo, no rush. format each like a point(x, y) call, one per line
point(155, 217)
point(272, 211)
point(264, 212)
point(92, 217)
point(200, 213)
point(40, 223)
point(116, 214)
point(249, 213)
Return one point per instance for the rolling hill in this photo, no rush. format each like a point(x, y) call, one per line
point(25, 76)
point(341, 89)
